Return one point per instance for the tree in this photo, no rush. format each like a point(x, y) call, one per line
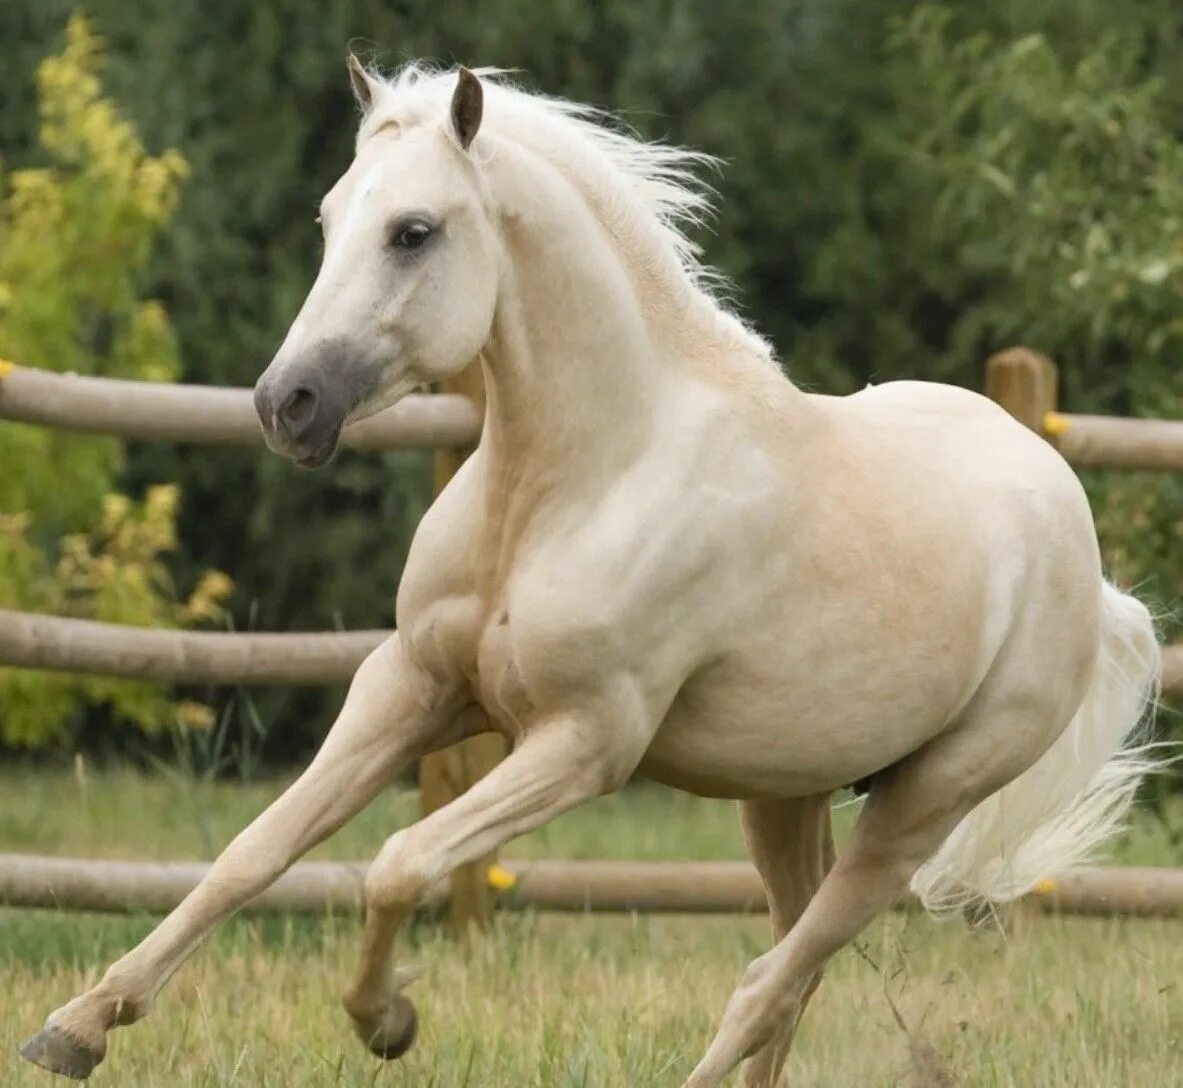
point(75, 239)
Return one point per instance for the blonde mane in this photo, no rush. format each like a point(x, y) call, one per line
point(649, 195)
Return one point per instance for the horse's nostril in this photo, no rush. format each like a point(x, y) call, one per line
point(298, 409)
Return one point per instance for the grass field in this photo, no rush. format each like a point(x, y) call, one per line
point(578, 1001)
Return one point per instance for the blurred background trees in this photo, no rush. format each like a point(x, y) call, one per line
point(75, 238)
point(910, 186)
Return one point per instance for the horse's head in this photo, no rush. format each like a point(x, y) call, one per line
point(408, 282)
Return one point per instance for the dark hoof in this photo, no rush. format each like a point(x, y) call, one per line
point(52, 1049)
point(395, 1030)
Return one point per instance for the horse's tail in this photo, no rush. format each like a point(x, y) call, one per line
point(1076, 795)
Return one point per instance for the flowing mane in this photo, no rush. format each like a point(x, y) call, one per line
point(649, 195)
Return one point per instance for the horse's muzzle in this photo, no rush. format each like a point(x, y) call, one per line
point(301, 418)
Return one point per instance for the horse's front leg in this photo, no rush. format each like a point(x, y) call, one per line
point(559, 762)
point(393, 713)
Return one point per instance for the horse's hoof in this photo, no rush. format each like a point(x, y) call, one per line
point(390, 1034)
point(52, 1049)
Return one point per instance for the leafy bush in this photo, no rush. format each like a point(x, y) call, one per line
point(1058, 184)
point(75, 238)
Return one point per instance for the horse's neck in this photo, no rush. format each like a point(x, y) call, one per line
point(574, 377)
point(585, 361)
point(571, 388)
point(571, 375)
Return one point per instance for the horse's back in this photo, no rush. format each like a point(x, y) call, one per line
point(955, 443)
point(929, 416)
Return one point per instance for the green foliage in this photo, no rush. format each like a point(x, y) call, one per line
point(75, 237)
point(1061, 186)
point(1055, 185)
point(74, 241)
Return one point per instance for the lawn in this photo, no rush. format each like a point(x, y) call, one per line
point(581, 1001)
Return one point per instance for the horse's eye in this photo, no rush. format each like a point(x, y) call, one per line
point(412, 236)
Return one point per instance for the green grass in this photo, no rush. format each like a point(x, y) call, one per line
point(574, 1001)
point(126, 814)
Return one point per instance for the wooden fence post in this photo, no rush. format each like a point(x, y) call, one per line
point(1024, 383)
point(444, 776)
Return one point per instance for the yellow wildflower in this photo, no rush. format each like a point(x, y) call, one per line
point(192, 715)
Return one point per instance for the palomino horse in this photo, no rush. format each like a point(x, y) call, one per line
point(665, 557)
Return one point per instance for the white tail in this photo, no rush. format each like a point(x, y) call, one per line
point(1058, 811)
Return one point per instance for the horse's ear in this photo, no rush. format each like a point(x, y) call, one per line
point(467, 105)
point(362, 84)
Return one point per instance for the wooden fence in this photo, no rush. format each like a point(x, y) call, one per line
point(1026, 384)
point(32, 641)
point(162, 412)
point(667, 887)
point(1022, 381)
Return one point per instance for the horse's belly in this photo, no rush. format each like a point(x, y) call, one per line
point(749, 759)
point(695, 770)
point(816, 726)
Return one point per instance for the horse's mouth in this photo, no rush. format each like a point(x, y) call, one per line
point(322, 456)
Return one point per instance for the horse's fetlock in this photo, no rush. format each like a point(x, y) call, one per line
point(360, 1005)
point(130, 1009)
point(121, 998)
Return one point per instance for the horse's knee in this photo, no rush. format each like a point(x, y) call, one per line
point(400, 876)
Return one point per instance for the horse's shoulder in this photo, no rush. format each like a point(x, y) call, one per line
point(439, 562)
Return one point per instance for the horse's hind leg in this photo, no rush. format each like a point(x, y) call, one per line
point(792, 846)
point(912, 808)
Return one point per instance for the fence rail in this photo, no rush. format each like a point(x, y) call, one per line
point(1021, 381)
point(32, 641)
point(703, 887)
point(1154, 445)
point(166, 412)
point(163, 412)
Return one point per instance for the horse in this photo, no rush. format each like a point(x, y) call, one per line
point(666, 558)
